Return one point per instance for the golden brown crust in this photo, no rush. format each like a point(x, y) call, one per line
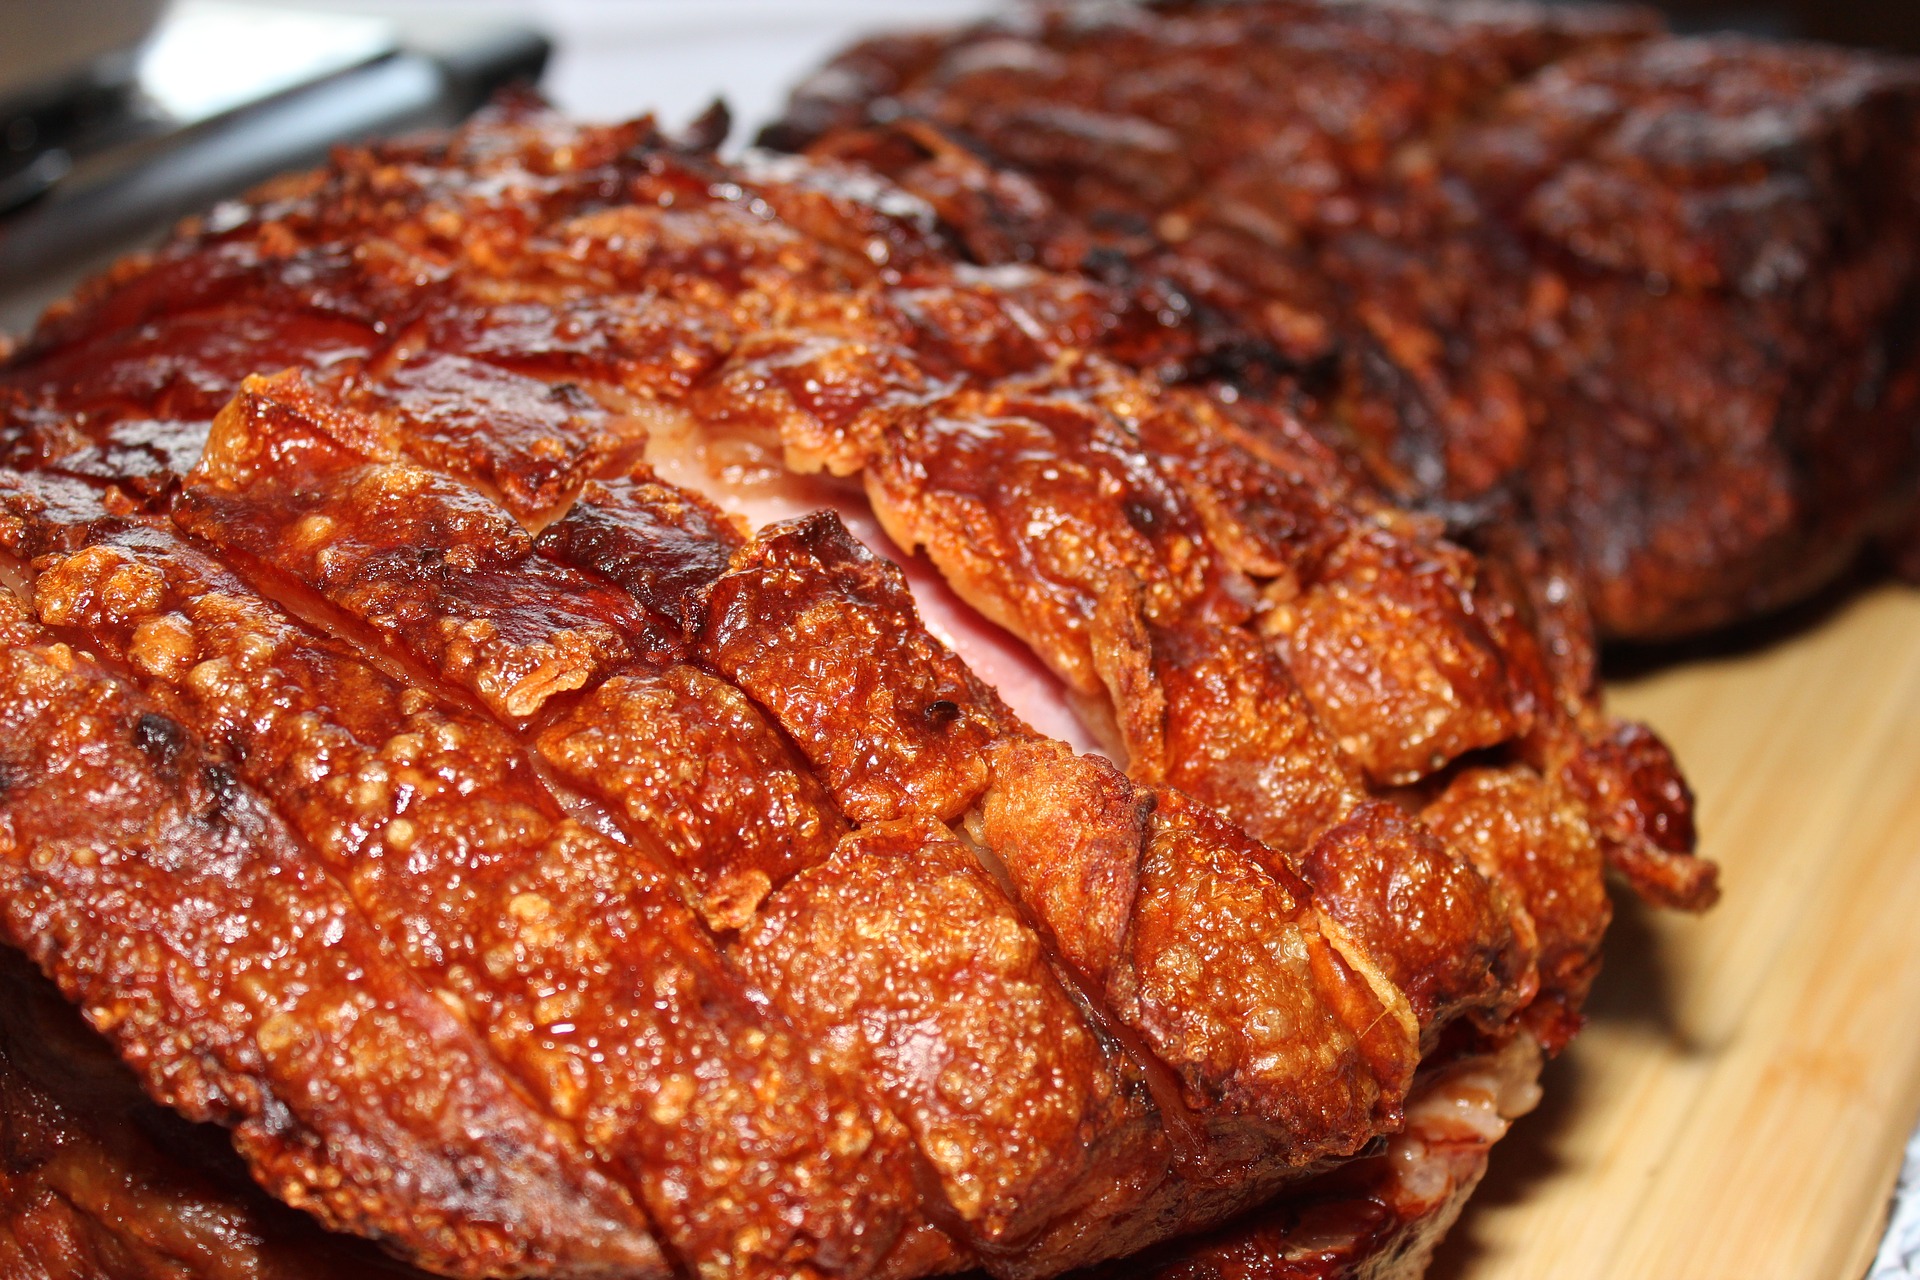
point(690, 763)
point(902, 954)
point(1445, 935)
point(686, 821)
point(1654, 295)
point(529, 922)
point(1378, 1218)
point(826, 638)
point(98, 1183)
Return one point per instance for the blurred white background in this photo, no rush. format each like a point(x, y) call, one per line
point(616, 58)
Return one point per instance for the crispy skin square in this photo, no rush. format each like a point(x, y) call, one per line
point(690, 761)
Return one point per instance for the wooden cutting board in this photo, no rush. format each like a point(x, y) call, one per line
point(1738, 1104)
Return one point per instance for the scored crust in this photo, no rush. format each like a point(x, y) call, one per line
point(1652, 295)
point(378, 718)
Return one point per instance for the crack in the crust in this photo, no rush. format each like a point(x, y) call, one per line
point(328, 621)
point(1185, 1128)
point(680, 462)
point(934, 1202)
point(333, 623)
point(596, 815)
point(397, 661)
point(749, 479)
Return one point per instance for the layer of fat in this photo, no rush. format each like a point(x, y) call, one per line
point(1455, 1115)
point(745, 478)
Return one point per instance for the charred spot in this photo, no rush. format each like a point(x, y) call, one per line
point(160, 739)
point(708, 130)
point(1107, 265)
point(570, 395)
point(1141, 516)
point(1224, 354)
point(12, 774)
point(223, 793)
point(942, 712)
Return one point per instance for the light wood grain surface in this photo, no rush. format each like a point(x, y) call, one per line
point(1738, 1105)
